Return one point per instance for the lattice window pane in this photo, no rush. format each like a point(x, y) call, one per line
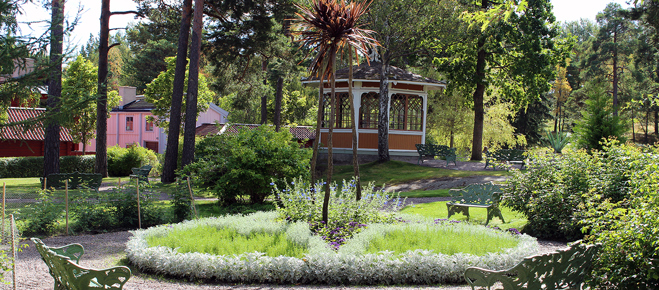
point(343, 116)
point(414, 113)
point(326, 111)
point(397, 112)
point(369, 111)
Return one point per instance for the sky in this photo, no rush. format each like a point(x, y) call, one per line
point(565, 10)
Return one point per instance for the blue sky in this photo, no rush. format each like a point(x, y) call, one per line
point(565, 10)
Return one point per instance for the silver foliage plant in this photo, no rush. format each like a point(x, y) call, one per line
point(321, 265)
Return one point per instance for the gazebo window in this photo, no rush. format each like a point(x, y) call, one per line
point(343, 117)
point(406, 112)
point(369, 110)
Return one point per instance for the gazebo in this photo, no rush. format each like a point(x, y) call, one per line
point(408, 103)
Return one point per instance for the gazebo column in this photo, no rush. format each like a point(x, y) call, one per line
point(356, 103)
point(425, 114)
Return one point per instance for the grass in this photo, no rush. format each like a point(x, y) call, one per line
point(394, 172)
point(26, 187)
point(225, 241)
point(438, 210)
point(445, 240)
point(426, 193)
point(210, 208)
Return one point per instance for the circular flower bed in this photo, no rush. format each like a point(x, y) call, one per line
point(321, 265)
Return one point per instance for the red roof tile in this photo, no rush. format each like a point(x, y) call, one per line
point(36, 133)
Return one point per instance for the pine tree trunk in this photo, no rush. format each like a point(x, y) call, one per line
point(330, 161)
point(278, 96)
point(355, 121)
point(171, 153)
point(615, 73)
point(656, 122)
point(383, 117)
point(52, 138)
point(264, 98)
point(479, 111)
point(102, 89)
point(193, 86)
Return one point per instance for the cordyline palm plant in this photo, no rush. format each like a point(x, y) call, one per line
point(326, 26)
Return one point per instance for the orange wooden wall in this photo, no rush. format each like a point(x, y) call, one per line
point(370, 141)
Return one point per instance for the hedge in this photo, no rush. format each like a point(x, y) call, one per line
point(19, 167)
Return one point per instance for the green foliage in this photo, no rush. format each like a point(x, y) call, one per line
point(598, 121)
point(17, 167)
point(159, 93)
point(298, 201)
point(240, 165)
point(181, 202)
point(92, 211)
point(228, 242)
point(440, 239)
point(41, 217)
point(124, 202)
point(121, 160)
point(557, 141)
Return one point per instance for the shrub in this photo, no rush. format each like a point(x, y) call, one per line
point(93, 211)
point(557, 190)
point(41, 217)
point(598, 122)
point(19, 167)
point(243, 165)
point(122, 160)
point(124, 201)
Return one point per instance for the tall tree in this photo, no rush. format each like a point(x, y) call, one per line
point(102, 88)
point(515, 54)
point(609, 48)
point(171, 153)
point(193, 86)
point(561, 91)
point(52, 140)
point(327, 26)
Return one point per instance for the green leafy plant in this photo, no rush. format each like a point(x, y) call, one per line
point(242, 166)
point(93, 211)
point(122, 160)
point(598, 122)
point(41, 217)
point(557, 141)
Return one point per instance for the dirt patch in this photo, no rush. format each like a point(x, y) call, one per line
point(443, 183)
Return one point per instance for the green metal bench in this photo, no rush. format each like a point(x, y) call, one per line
point(504, 156)
point(63, 265)
point(75, 179)
point(141, 173)
point(432, 150)
point(565, 269)
point(486, 195)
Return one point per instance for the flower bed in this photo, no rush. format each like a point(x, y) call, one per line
point(321, 265)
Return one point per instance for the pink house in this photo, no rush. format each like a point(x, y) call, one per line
point(128, 125)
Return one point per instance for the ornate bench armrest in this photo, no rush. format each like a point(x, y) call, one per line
point(72, 251)
point(479, 277)
point(110, 278)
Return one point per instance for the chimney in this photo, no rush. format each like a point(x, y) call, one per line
point(128, 94)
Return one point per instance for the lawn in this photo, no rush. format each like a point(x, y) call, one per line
point(395, 172)
point(438, 210)
point(26, 187)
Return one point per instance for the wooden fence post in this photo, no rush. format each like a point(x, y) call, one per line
point(194, 208)
point(13, 249)
point(45, 181)
point(66, 202)
point(4, 189)
point(139, 215)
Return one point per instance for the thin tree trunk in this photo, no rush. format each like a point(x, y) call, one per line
point(479, 112)
point(52, 138)
point(264, 98)
point(319, 120)
point(656, 122)
point(383, 118)
point(193, 86)
point(102, 89)
point(355, 161)
point(615, 73)
point(278, 96)
point(171, 153)
point(330, 161)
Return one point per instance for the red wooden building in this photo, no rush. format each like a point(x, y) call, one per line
point(16, 141)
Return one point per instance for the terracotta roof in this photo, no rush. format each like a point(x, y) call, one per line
point(373, 71)
point(299, 132)
point(207, 129)
point(36, 133)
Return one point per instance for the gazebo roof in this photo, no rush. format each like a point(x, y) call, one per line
point(373, 71)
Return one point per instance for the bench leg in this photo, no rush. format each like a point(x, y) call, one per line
point(493, 212)
point(453, 209)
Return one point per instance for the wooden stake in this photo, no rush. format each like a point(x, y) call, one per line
point(13, 249)
point(66, 202)
point(4, 189)
point(119, 183)
point(192, 200)
point(45, 181)
point(139, 215)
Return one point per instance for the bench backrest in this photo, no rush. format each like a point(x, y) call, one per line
point(75, 179)
point(57, 265)
point(506, 155)
point(434, 150)
point(142, 171)
point(563, 269)
point(478, 194)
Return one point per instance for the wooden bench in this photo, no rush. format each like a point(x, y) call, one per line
point(141, 173)
point(486, 195)
point(63, 265)
point(432, 150)
point(565, 269)
point(507, 156)
point(75, 179)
